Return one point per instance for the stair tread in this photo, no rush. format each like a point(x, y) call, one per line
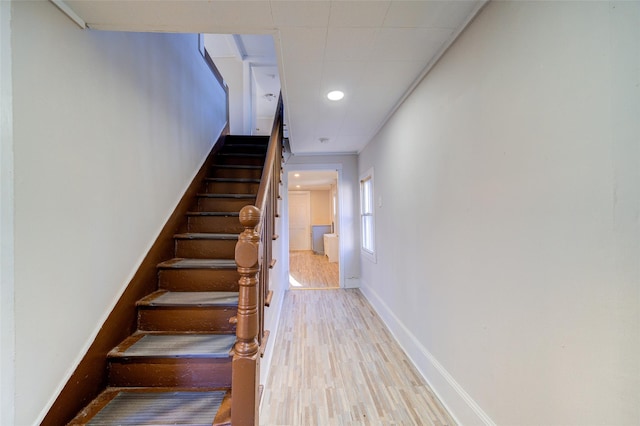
point(241, 154)
point(205, 236)
point(185, 263)
point(221, 214)
point(246, 145)
point(218, 195)
point(235, 138)
point(232, 180)
point(160, 408)
point(190, 298)
point(237, 166)
point(176, 345)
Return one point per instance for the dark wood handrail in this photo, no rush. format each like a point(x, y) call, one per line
point(275, 148)
point(253, 257)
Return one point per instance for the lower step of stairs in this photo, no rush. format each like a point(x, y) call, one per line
point(172, 360)
point(187, 311)
point(158, 406)
point(198, 275)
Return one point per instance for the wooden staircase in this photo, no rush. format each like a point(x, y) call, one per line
point(176, 368)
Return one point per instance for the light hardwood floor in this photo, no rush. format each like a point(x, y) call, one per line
point(335, 363)
point(310, 270)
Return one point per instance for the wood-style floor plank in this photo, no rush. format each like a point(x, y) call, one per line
point(335, 363)
point(312, 271)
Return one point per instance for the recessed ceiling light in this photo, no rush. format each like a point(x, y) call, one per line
point(297, 175)
point(335, 95)
point(297, 186)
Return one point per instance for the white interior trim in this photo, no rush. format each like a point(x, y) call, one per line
point(64, 8)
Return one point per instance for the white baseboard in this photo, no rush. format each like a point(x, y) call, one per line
point(455, 399)
point(353, 282)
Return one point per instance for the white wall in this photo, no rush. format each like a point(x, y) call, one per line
point(232, 72)
point(320, 207)
point(508, 237)
point(278, 284)
point(109, 129)
point(348, 187)
point(7, 325)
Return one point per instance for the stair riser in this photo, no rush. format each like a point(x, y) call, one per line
point(199, 279)
point(223, 172)
point(232, 188)
point(244, 139)
point(244, 149)
point(170, 372)
point(217, 224)
point(206, 249)
point(239, 160)
point(223, 204)
point(183, 319)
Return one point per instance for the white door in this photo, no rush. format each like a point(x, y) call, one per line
point(299, 220)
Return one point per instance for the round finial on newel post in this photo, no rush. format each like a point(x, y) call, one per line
point(250, 216)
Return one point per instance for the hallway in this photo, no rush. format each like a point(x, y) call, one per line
point(312, 271)
point(335, 363)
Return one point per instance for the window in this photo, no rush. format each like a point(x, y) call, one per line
point(366, 214)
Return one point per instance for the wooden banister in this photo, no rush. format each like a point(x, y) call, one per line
point(253, 257)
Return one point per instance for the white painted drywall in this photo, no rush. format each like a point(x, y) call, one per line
point(232, 72)
point(109, 129)
point(278, 284)
point(7, 324)
point(348, 187)
point(320, 207)
point(508, 237)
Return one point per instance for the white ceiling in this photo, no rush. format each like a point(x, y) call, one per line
point(373, 50)
point(304, 180)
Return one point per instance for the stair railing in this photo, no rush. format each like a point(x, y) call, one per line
point(254, 258)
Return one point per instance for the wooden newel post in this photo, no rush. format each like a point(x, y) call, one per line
point(245, 377)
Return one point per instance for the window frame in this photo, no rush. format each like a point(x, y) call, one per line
point(367, 216)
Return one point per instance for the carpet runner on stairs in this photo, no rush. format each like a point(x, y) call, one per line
point(160, 408)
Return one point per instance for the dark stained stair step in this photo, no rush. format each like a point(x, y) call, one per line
point(239, 159)
point(187, 311)
point(237, 139)
point(250, 147)
point(221, 222)
point(181, 274)
point(206, 245)
point(180, 263)
point(241, 154)
point(232, 180)
point(229, 195)
point(232, 185)
point(235, 148)
point(238, 171)
point(142, 346)
point(187, 360)
point(157, 406)
point(162, 298)
point(224, 202)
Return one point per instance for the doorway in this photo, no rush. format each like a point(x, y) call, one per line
point(314, 258)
